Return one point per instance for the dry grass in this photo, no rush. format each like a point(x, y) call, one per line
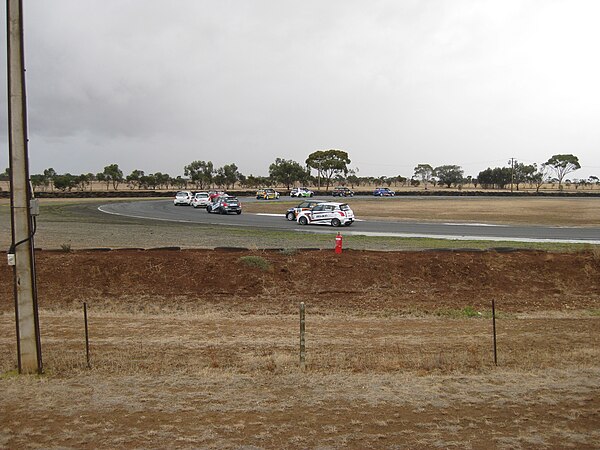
point(544, 211)
point(220, 379)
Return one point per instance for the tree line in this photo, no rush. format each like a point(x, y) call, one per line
point(500, 177)
point(321, 169)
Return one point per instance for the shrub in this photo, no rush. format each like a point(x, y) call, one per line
point(256, 261)
point(469, 311)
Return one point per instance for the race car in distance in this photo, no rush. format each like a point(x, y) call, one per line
point(183, 198)
point(214, 194)
point(301, 192)
point(267, 194)
point(292, 213)
point(342, 191)
point(200, 200)
point(225, 204)
point(383, 192)
point(327, 213)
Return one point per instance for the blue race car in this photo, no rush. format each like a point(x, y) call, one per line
point(383, 192)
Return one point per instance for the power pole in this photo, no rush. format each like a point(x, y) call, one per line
point(512, 162)
point(20, 255)
point(319, 176)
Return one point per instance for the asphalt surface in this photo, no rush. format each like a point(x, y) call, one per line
point(165, 210)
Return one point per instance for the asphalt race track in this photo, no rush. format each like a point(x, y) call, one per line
point(165, 210)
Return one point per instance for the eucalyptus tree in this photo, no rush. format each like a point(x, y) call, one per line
point(449, 174)
point(287, 172)
point(65, 182)
point(497, 177)
point(39, 180)
point(134, 178)
point(523, 173)
point(562, 165)
point(424, 172)
point(328, 163)
point(49, 174)
point(200, 172)
point(111, 174)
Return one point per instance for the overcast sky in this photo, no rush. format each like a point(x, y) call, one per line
point(154, 85)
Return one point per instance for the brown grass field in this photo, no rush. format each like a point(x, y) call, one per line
point(200, 348)
point(538, 210)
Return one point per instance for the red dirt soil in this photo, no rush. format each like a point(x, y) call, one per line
point(400, 282)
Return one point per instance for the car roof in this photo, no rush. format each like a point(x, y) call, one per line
point(332, 203)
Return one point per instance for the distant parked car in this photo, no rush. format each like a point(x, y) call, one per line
point(183, 198)
point(225, 204)
point(200, 200)
point(292, 213)
point(342, 191)
point(301, 192)
point(267, 194)
point(327, 213)
point(383, 192)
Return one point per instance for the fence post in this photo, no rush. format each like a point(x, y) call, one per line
point(302, 341)
point(87, 338)
point(494, 327)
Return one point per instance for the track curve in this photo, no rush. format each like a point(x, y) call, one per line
point(164, 210)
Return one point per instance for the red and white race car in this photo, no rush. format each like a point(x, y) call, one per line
point(327, 213)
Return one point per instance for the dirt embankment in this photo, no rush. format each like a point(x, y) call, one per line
point(387, 282)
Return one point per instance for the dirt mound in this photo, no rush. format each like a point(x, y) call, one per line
point(274, 281)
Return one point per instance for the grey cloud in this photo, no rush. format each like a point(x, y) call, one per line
point(470, 82)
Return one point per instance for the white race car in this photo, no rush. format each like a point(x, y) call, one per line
point(301, 192)
point(183, 198)
point(328, 213)
point(200, 200)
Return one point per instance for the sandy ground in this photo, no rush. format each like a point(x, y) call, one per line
point(199, 349)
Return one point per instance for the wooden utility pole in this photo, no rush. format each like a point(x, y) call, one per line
point(512, 162)
point(21, 254)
